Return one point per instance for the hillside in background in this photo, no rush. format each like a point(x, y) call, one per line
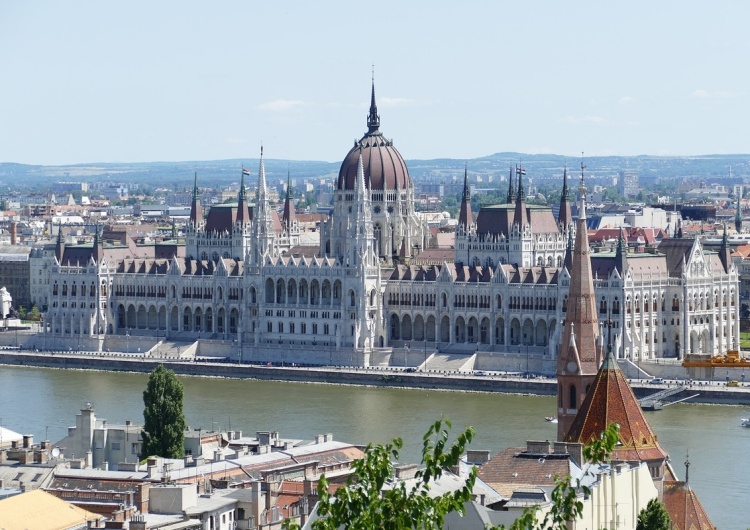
point(709, 168)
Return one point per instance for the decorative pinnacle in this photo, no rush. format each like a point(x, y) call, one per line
point(373, 119)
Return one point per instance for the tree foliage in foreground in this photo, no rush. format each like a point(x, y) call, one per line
point(163, 417)
point(364, 503)
point(654, 517)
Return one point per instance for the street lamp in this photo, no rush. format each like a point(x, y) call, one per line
point(127, 341)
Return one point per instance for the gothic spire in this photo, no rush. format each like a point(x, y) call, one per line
point(288, 217)
point(243, 214)
point(520, 216)
point(373, 118)
point(738, 215)
point(60, 245)
point(576, 372)
point(565, 217)
point(621, 253)
point(725, 251)
point(196, 211)
point(465, 217)
point(511, 192)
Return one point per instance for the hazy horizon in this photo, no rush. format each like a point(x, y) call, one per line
point(89, 82)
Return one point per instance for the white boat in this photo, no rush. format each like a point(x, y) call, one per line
point(553, 419)
point(746, 422)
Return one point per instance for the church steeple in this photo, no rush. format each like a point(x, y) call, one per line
point(196, 211)
point(464, 217)
point(577, 365)
point(373, 118)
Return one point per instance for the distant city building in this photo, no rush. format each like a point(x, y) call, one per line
point(628, 183)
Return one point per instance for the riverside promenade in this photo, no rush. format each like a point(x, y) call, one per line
point(450, 380)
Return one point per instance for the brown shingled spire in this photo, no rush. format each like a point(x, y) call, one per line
point(577, 366)
point(464, 216)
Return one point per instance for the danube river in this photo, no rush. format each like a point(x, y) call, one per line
point(44, 402)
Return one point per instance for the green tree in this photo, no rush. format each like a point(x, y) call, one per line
point(653, 517)
point(22, 312)
point(34, 314)
point(363, 503)
point(164, 420)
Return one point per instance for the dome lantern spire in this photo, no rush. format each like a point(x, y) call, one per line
point(373, 119)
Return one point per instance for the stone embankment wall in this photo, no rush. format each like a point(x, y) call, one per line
point(718, 394)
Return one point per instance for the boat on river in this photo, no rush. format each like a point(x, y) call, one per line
point(746, 422)
point(551, 419)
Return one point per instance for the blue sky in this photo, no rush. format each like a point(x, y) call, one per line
point(138, 81)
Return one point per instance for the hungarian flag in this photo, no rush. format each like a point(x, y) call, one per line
point(245, 171)
point(520, 171)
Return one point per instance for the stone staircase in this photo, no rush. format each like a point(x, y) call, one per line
point(451, 362)
point(173, 350)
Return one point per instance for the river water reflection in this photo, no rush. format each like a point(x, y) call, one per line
point(44, 402)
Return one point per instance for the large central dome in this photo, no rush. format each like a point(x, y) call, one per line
point(384, 166)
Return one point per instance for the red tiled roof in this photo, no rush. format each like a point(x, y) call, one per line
point(611, 400)
point(685, 510)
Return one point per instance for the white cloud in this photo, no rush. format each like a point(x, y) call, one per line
point(627, 100)
point(280, 105)
point(596, 120)
point(716, 94)
point(394, 102)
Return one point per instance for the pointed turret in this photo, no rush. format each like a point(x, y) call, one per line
point(577, 366)
point(621, 254)
point(738, 214)
point(725, 253)
point(511, 191)
point(682, 504)
point(243, 214)
point(289, 216)
point(565, 217)
point(464, 217)
point(263, 231)
point(373, 118)
point(98, 248)
point(196, 211)
point(520, 217)
point(60, 244)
